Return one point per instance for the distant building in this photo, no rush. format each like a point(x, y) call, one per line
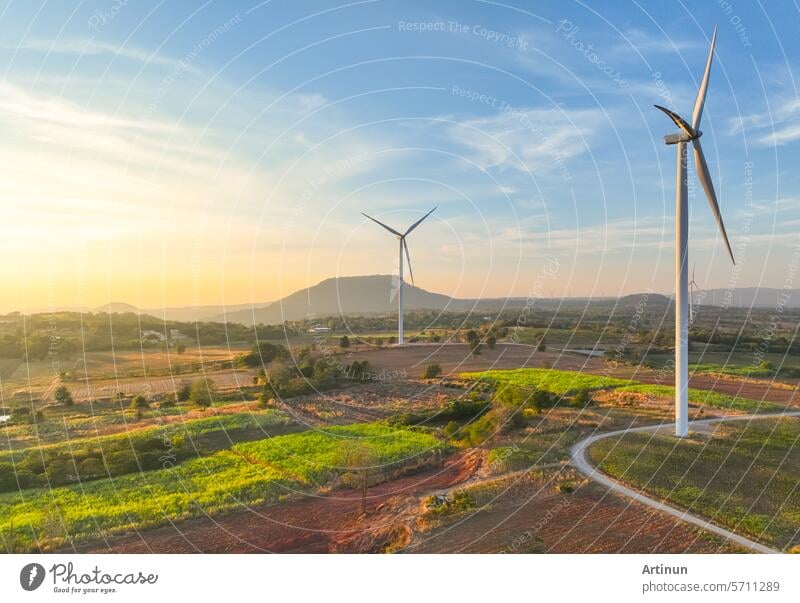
point(319, 329)
point(149, 335)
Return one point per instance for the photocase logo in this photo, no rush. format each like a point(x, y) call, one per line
point(31, 576)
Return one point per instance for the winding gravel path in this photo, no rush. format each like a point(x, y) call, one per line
point(579, 460)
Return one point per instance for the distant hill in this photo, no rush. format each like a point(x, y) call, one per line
point(343, 295)
point(116, 308)
point(376, 294)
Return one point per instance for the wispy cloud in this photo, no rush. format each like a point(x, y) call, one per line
point(536, 140)
point(88, 47)
point(775, 127)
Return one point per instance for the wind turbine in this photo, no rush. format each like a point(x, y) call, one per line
point(403, 247)
point(692, 289)
point(688, 133)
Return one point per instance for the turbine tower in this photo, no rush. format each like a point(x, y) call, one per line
point(688, 133)
point(403, 247)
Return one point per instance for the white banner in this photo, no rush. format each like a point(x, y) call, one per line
point(390, 578)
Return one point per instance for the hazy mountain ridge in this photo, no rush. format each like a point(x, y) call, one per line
point(377, 294)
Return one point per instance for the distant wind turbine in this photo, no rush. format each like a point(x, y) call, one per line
point(692, 289)
point(688, 133)
point(403, 247)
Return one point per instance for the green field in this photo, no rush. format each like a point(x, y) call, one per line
point(86, 459)
point(565, 383)
point(247, 474)
point(745, 476)
point(705, 398)
point(560, 383)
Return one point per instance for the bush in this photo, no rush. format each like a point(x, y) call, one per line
point(432, 371)
point(262, 354)
point(63, 396)
point(582, 398)
point(139, 402)
point(167, 401)
point(344, 342)
point(202, 393)
point(183, 393)
point(451, 429)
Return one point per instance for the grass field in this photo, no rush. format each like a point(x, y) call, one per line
point(560, 383)
point(564, 383)
point(188, 432)
point(247, 474)
point(745, 476)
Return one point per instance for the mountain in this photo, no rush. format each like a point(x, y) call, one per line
point(343, 295)
point(116, 308)
point(747, 297)
point(376, 294)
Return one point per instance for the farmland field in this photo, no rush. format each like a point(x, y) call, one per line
point(246, 474)
point(563, 383)
point(743, 475)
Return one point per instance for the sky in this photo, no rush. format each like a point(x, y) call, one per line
point(181, 154)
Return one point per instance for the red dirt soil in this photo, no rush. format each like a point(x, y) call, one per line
point(583, 521)
point(315, 524)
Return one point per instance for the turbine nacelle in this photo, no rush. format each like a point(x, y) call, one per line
point(682, 137)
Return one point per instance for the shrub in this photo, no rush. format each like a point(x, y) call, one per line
point(63, 396)
point(582, 398)
point(344, 342)
point(167, 401)
point(183, 393)
point(432, 371)
point(451, 429)
point(139, 402)
point(202, 393)
point(262, 354)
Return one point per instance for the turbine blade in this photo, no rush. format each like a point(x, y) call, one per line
point(708, 187)
point(389, 228)
point(697, 113)
point(418, 222)
point(408, 258)
point(679, 121)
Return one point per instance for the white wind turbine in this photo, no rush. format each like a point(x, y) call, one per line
point(688, 133)
point(692, 289)
point(403, 247)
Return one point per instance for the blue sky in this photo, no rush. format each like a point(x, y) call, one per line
point(220, 152)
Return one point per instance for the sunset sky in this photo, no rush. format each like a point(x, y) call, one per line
point(176, 154)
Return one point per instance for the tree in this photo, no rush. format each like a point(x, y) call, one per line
point(183, 393)
point(202, 393)
point(63, 396)
point(491, 340)
point(475, 347)
point(263, 353)
point(357, 460)
point(139, 402)
point(432, 371)
point(344, 342)
point(181, 348)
